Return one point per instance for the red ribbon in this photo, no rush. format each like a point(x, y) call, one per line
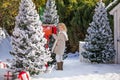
point(8, 75)
point(46, 65)
point(21, 73)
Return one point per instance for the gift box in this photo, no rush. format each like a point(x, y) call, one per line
point(8, 75)
point(3, 65)
point(23, 75)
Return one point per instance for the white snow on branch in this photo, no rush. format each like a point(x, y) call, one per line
point(111, 4)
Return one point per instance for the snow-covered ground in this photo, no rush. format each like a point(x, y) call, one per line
point(5, 48)
point(74, 70)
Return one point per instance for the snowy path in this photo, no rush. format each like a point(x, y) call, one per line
point(74, 70)
point(5, 48)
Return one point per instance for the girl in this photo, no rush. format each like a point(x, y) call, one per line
point(59, 45)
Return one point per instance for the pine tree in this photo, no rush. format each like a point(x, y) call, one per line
point(28, 40)
point(50, 15)
point(99, 44)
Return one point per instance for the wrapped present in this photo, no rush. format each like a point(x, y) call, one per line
point(8, 75)
point(3, 65)
point(23, 75)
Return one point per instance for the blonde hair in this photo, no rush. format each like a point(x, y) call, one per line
point(63, 26)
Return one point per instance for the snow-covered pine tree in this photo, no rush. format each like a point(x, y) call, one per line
point(28, 40)
point(50, 15)
point(99, 44)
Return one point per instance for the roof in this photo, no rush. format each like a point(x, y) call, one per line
point(112, 5)
point(115, 9)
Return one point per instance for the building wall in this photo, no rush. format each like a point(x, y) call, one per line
point(116, 13)
point(118, 37)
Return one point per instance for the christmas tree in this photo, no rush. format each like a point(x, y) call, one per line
point(28, 40)
point(49, 17)
point(99, 44)
point(50, 13)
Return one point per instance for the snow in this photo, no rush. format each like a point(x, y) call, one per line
point(2, 72)
point(111, 4)
point(99, 46)
point(50, 15)
point(73, 68)
point(28, 40)
point(5, 48)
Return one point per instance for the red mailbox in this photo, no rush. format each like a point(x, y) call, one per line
point(49, 29)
